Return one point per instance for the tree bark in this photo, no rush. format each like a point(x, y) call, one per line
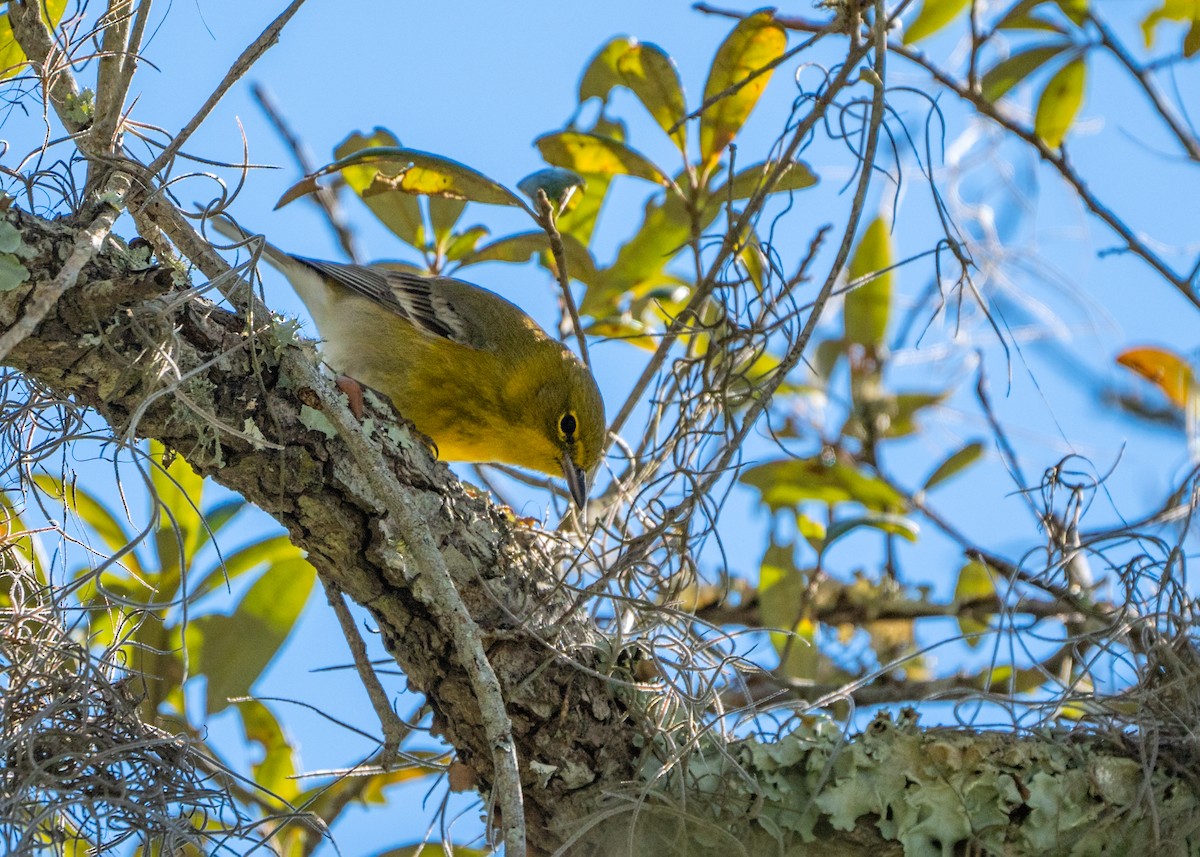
point(157, 359)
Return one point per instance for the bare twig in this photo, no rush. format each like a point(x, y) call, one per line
point(1058, 160)
point(1186, 137)
point(545, 210)
point(241, 65)
point(325, 196)
point(431, 581)
point(394, 729)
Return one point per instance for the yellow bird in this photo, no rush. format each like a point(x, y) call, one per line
point(469, 368)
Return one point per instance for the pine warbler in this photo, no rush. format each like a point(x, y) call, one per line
point(470, 369)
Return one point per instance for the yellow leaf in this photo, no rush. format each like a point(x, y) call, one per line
point(1060, 102)
point(1165, 369)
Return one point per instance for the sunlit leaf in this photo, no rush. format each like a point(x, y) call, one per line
point(443, 214)
point(398, 211)
point(811, 531)
point(1007, 74)
point(975, 583)
point(651, 75)
point(868, 305)
point(954, 464)
point(1060, 102)
point(1008, 680)
point(12, 58)
point(113, 533)
point(787, 483)
point(601, 74)
point(756, 42)
point(523, 246)
point(1184, 11)
point(895, 525)
point(232, 651)
point(1075, 10)
point(265, 552)
point(276, 771)
point(934, 15)
point(591, 153)
point(1022, 16)
point(1162, 367)
point(463, 244)
point(796, 175)
point(411, 171)
point(781, 599)
point(179, 491)
point(640, 263)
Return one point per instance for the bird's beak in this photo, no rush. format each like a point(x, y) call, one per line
point(576, 480)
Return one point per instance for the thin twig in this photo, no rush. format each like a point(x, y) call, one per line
point(545, 210)
point(325, 197)
point(241, 65)
point(1058, 160)
point(433, 584)
point(796, 352)
point(732, 237)
point(1187, 139)
point(394, 729)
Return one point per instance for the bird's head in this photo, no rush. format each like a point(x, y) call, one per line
point(573, 415)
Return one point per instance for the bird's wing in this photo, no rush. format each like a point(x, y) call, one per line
point(411, 296)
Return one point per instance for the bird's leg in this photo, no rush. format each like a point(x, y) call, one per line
point(354, 393)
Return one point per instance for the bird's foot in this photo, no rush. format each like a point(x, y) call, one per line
point(354, 394)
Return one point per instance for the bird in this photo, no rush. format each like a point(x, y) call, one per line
point(469, 369)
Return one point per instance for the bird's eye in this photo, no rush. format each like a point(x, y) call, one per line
point(567, 425)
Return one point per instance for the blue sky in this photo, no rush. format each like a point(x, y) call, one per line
point(478, 81)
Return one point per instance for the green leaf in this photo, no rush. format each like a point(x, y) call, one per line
point(232, 651)
point(934, 15)
point(902, 420)
point(1075, 10)
point(1022, 17)
point(651, 75)
point(463, 244)
point(787, 483)
point(276, 771)
point(601, 74)
point(868, 305)
point(443, 214)
point(1008, 680)
point(975, 583)
point(1060, 102)
point(895, 525)
point(756, 42)
point(1185, 11)
point(13, 274)
point(781, 600)
point(179, 491)
point(640, 263)
point(1007, 74)
point(12, 58)
point(398, 211)
point(796, 175)
point(268, 551)
point(592, 154)
point(93, 513)
point(411, 171)
point(523, 246)
point(954, 464)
